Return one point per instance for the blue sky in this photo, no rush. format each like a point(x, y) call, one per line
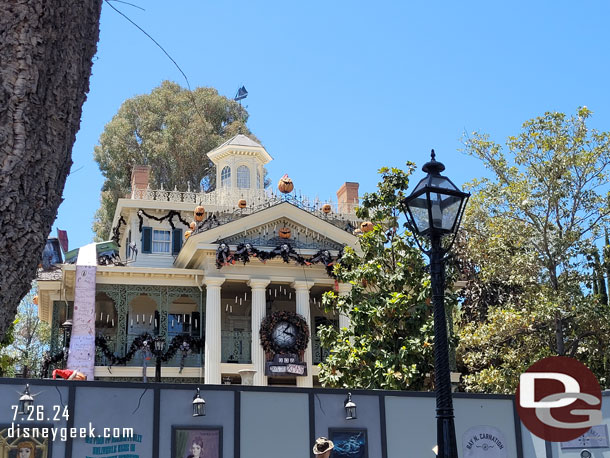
point(339, 89)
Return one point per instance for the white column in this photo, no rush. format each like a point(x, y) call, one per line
point(259, 307)
point(302, 297)
point(213, 339)
point(344, 290)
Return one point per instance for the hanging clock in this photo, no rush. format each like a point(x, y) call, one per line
point(284, 332)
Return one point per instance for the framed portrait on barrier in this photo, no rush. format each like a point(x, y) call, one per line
point(196, 442)
point(349, 442)
point(27, 440)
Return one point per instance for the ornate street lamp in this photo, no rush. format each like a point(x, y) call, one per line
point(26, 401)
point(159, 344)
point(434, 210)
point(198, 405)
point(350, 408)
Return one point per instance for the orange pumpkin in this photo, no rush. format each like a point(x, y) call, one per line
point(285, 185)
point(193, 225)
point(199, 213)
point(187, 234)
point(242, 203)
point(366, 226)
point(35, 300)
point(326, 208)
point(285, 233)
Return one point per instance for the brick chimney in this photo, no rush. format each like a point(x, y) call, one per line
point(347, 197)
point(139, 178)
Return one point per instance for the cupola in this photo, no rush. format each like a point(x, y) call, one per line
point(240, 164)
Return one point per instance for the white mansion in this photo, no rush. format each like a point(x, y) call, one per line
point(253, 253)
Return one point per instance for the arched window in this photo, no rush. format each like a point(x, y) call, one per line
point(243, 177)
point(225, 177)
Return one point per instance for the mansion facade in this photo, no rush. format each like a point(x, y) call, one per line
point(209, 268)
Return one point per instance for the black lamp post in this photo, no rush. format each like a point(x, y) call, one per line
point(159, 345)
point(67, 331)
point(434, 210)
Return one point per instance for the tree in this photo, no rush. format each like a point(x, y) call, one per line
point(46, 50)
point(529, 234)
point(171, 129)
point(31, 338)
point(388, 344)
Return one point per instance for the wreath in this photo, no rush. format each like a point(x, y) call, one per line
point(271, 321)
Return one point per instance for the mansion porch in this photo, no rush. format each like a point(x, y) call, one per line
point(224, 312)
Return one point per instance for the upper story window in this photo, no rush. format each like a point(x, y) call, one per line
point(225, 177)
point(243, 177)
point(258, 179)
point(160, 241)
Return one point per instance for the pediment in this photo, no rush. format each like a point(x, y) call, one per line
point(261, 229)
point(268, 235)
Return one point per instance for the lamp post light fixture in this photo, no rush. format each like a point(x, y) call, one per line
point(67, 331)
point(198, 405)
point(350, 408)
point(434, 209)
point(159, 345)
point(26, 401)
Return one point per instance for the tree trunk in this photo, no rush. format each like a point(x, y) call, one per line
point(46, 51)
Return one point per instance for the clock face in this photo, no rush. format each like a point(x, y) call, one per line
point(284, 334)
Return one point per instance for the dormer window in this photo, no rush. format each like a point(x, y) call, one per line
point(225, 177)
point(243, 177)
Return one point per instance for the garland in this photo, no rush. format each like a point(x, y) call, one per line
point(182, 343)
point(271, 321)
point(169, 216)
point(245, 251)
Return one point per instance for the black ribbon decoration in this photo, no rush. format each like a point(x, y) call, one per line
point(116, 232)
point(169, 216)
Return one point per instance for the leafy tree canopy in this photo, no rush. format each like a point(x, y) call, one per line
point(388, 344)
point(24, 349)
point(529, 234)
point(171, 129)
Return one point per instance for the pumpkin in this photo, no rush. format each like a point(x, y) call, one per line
point(187, 234)
point(242, 203)
point(35, 300)
point(193, 225)
point(366, 226)
point(199, 213)
point(285, 185)
point(326, 208)
point(285, 233)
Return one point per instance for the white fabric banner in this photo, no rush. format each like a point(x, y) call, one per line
point(82, 340)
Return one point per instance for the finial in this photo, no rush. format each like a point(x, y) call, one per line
point(433, 166)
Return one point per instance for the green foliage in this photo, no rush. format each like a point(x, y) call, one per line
point(24, 351)
point(171, 129)
point(389, 342)
point(528, 236)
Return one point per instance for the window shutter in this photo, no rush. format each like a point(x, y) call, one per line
point(146, 240)
point(176, 241)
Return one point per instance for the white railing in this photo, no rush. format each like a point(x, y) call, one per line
point(228, 200)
